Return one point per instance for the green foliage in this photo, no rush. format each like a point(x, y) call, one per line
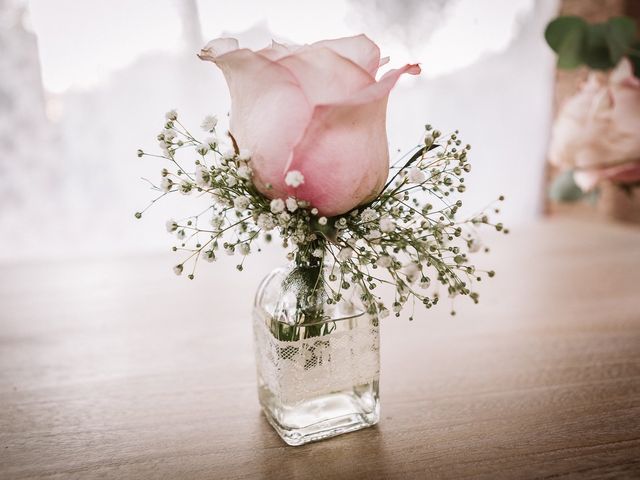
point(635, 59)
point(567, 37)
point(596, 53)
point(564, 188)
point(599, 46)
point(621, 36)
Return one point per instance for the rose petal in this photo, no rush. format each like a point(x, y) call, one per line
point(218, 47)
point(359, 49)
point(277, 50)
point(325, 76)
point(343, 154)
point(259, 89)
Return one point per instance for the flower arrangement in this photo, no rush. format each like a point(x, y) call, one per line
point(307, 157)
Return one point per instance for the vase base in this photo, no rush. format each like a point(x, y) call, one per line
point(324, 416)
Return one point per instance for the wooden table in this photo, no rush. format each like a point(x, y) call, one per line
point(114, 368)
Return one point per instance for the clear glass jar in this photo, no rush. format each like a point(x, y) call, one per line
point(318, 362)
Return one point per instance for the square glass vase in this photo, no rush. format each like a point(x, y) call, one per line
point(317, 379)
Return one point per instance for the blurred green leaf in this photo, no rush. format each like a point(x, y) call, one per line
point(597, 49)
point(564, 188)
point(567, 37)
point(621, 32)
point(635, 59)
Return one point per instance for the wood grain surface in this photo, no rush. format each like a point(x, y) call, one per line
point(115, 368)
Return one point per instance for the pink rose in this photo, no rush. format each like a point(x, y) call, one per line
point(313, 116)
point(597, 131)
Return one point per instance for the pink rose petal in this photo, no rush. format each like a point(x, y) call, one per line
point(325, 76)
point(269, 111)
point(359, 49)
point(344, 153)
point(315, 110)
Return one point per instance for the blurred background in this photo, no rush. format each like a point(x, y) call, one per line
point(83, 85)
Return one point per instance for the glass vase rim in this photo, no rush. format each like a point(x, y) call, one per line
point(265, 314)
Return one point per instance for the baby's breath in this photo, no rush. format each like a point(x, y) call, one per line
point(408, 237)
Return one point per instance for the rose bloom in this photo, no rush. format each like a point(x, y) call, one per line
point(315, 112)
point(597, 131)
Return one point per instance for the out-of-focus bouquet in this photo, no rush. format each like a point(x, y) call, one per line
point(596, 135)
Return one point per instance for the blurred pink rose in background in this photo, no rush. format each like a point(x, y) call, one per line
point(314, 110)
point(597, 131)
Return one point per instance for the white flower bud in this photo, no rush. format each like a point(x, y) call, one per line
point(292, 204)
point(168, 135)
point(244, 155)
point(387, 225)
point(294, 178)
point(172, 225)
point(412, 272)
point(345, 254)
point(203, 148)
point(277, 205)
point(384, 261)
point(416, 175)
point(166, 184)
point(266, 222)
point(216, 223)
point(185, 187)
point(284, 218)
point(209, 256)
point(244, 172)
point(209, 123)
point(202, 176)
point(240, 203)
point(171, 115)
point(368, 215)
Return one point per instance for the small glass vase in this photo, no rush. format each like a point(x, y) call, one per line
point(318, 361)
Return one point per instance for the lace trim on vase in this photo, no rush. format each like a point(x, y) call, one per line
point(300, 370)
